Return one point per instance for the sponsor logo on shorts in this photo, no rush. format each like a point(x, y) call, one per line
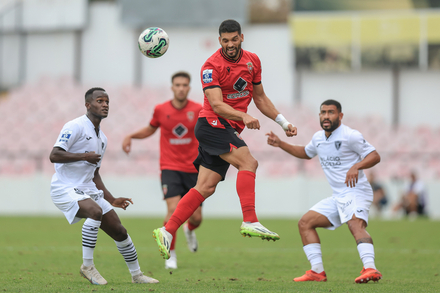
point(164, 189)
point(79, 191)
point(338, 144)
point(207, 75)
point(65, 136)
point(237, 134)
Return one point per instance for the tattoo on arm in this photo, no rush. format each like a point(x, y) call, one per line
point(364, 240)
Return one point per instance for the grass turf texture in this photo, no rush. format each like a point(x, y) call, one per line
point(40, 254)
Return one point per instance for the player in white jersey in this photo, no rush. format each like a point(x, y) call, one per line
point(78, 191)
point(343, 153)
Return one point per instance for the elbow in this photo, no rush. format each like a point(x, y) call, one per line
point(52, 158)
point(378, 159)
point(217, 109)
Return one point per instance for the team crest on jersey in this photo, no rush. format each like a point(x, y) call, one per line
point(207, 75)
point(65, 135)
point(165, 189)
point(338, 144)
point(190, 115)
point(250, 67)
point(237, 134)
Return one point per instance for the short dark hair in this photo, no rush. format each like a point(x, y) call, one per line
point(89, 93)
point(229, 26)
point(334, 103)
point(180, 74)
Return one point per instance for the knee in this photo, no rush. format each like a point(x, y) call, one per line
point(253, 164)
point(196, 219)
point(206, 190)
point(120, 233)
point(303, 224)
point(96, 213)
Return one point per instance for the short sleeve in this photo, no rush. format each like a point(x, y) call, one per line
point(257, 71)
point(210, 76)
point(359, 145)
point(70, 133)
point(155, 122)
point(310, 149)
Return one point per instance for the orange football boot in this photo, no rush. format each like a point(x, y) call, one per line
point(312, 276)
point(368, 275)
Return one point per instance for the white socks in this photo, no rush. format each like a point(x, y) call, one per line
point(128, 251)
point(366, 252)
point(89, 236)
point(314, 255)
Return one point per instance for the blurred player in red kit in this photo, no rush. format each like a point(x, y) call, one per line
point(178, 149)
point(231, 79)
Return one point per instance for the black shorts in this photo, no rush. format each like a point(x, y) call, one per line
point(215, 140)
point(177, 183)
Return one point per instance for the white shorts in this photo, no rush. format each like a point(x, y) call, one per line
point(67, 202)
point(340, 209)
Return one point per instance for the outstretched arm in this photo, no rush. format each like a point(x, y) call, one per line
point(140, 134)
point(120, 202)
point(265, 105)
point(295, 150)
point(369, 161)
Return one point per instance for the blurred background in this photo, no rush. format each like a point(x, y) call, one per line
point(379, 58)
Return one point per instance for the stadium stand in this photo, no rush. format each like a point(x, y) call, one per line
point(32, 116)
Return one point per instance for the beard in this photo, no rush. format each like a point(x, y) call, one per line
point(237, 51)
point(333, 125)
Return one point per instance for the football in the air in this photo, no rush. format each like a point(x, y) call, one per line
point(153, 42)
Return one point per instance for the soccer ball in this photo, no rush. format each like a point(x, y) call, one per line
point(153, 42)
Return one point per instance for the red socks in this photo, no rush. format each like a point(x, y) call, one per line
point(191, 226)
point(185, 208)
point(173, 242)
point(246, 193)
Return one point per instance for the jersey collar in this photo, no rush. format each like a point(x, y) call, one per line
point(334, 133)
point(229, 59)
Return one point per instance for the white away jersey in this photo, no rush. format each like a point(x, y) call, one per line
point(337, 154)
point(78, 136)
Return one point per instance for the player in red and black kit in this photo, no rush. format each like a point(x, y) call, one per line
point(231, 78)
point(178, 149)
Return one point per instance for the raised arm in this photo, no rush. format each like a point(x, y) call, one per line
point(295, 150)
point(215, 98)
point(59, 155)
point(140, 134)
point(265, 105)
point(120, 202)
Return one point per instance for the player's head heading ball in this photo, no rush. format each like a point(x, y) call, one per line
point(229, 26)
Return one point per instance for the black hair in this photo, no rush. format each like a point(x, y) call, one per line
point(334, 103)
point(180, 74)
point(229, 26)
point(89, 93)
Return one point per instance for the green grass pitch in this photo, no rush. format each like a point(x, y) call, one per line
point(43, 254)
